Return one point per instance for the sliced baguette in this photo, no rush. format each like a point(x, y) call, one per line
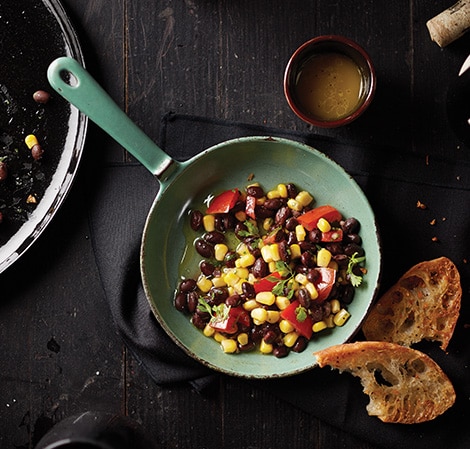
point(404, 385)
point(423, 304)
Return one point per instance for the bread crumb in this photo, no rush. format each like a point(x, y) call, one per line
point(435, 239)
point(432, 222)
point(421, 205)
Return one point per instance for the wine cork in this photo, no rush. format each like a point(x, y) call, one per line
point(450, 24)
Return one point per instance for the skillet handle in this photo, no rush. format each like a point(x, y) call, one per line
point(83, 92)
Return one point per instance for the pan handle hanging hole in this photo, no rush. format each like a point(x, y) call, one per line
point(69, 78)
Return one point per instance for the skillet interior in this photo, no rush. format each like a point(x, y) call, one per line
point(226, 166)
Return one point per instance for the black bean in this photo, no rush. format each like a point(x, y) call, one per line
point(350, 225)
point(307, 259)
point(273, 203)
point(207, 268)
point(248, 290)
point(248, 347)
point(200, 320)
point(353, 238)
point(260, 268)
point(346, 294)
point(316, 312)
point(352, 248)
point(300, 344)
point(255, 191)
point(193, 301)
point(270, 337)
point(263, 212)
point(230, 258)
point(37, 152)
point(181, 302)
point(291, 223)
point(219, 294)
point(313, 275)
point(240, 229)
point(214, 237)
point(188, 285)
point(280, 351)
point(314, 236)
point(284, 251)
point(282, 215)
point(233, 300)
point(204, 248)
point(292, 190)
point(196, 218)
point(341, 259)
point(304, 297)
point(334, 248)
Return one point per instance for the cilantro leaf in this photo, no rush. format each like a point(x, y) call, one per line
point(301, 314)
point(356, 280)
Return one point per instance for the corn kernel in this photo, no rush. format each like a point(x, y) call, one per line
point(266, 253)
point(329, 321)
point(282, 189)
point(304, 198)
point(301, 278)
point(282, 302)
point(341, 317)
point(295, 251)
point(240, 215)
point(247, 260)
point(231, 278)
point(300, 233)
point(286, 327)
point(238, 287)
point(259, 315)
point(250, 305)
point(242, 249)
point(272, 266)
point(266, 298)
point(267, 223)
point(204, 284)
point(219, 281)
point(229, 346)
point(242, 338)
point(220, 250)
point(323, 257)
point(273, 316)
point(273, 194)
point(275, 252)
point(323, 225)
point(31, 140)
point(208, 221)
point(312, 290)
point(335, 306)
point(294, 205)
point(242, 272)
point(319, 326)
point(218, 337)
point(265, 348)
point(208, 331)
point(290, 339)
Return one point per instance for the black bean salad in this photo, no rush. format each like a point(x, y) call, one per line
point(276, 269)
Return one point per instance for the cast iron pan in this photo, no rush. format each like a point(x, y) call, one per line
point(167, 252)
point(34, 33)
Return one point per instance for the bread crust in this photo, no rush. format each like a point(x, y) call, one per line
point(404, 385)
point(423, 304)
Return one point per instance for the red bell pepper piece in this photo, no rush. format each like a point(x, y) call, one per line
point(222, 203)
point(310, 219)
point(335, 235)
point(250, 208)
point(324, 282)
point(302, 326)
point(267, 283)
point(229, 323)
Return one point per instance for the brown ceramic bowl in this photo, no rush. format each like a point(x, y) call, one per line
point(329, 81)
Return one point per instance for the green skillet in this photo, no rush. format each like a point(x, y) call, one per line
point(166, 251)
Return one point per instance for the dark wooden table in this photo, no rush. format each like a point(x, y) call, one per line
point(60, 353)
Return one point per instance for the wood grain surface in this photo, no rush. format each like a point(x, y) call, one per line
point(59, 351)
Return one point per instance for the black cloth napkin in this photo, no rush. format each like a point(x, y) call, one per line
point(393, 180)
